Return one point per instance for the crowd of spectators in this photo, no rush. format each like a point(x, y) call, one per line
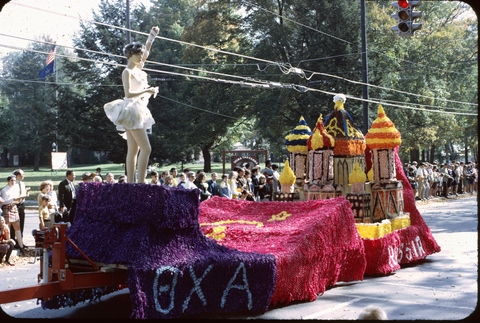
point(242, 182)
point(442, 180)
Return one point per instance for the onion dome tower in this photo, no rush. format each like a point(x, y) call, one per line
point(349, 143)
point(382, 138)
point(296, 144)
point(320, 155)
point(387, 192)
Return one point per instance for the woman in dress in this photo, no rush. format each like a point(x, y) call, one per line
point(10, 199)
point(132, 114)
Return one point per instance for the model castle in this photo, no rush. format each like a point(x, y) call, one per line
point(329, 162)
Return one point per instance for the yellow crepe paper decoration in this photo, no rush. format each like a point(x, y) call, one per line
point(383, 133)
point(218, 233)
point(320, 138)
point(379, 230)
point(297, 140)
point(282, 216)
point(257, 223)
point(357, 175)
point(287, 177)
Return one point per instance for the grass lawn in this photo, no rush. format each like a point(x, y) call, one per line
point(33, 179)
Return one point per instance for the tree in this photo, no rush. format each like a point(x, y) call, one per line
point(437, 65)
point(32, 103)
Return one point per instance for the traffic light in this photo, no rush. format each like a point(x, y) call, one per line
point(406, 16)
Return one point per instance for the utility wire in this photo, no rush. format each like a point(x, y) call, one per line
point(329, 35)
point(299, 88)
point(285, 68)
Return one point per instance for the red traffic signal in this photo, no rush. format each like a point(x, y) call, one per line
point(403, 4)
point(406, 16)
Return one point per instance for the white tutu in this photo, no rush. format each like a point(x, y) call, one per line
point(130, 113)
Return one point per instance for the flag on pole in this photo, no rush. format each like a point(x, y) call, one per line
point(49, 64)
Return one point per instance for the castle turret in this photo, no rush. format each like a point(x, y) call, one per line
point(296, 144)
point(320, 155)
point(359, 200)
point(387, 193)
point(382, 138)
point(349, 143)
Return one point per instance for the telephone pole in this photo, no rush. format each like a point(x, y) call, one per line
point(128, 22)
point(364, 65)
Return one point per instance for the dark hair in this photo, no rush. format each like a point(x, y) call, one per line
point(153, 173)
point(69, 172)
point(17, 172)
point(10, 177)
point(201, 176)
point(133, 48)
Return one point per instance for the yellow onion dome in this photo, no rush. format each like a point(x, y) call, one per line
point(287, 177)
point(296, 141)
point(383, 133)
point(357, 175)
point(320, 138)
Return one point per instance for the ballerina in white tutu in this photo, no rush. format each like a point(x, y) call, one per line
point(131, 114)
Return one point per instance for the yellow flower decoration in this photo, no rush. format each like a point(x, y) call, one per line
point(218, 233)
point(282, 216)
point(257, 223)
point(287, 177)
point(357, 175)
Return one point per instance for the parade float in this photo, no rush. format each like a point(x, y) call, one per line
point(180, 257)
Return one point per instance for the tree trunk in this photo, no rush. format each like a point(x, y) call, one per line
point(36, 164)
point(453, 155)
point(207, 159)
point(414, 155)
point(466, 149)
point(432, 153)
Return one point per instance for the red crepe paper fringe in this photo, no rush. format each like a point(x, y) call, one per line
point(315, 246)
point(404, 246)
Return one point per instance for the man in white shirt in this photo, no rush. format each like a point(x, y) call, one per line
point(421, 179)
point(189, 181)
point(22, 192)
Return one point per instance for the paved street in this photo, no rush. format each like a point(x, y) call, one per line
point(443, 287)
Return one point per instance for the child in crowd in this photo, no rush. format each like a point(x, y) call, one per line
point(169, 181)
point(44, 213)
point(182, 180)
